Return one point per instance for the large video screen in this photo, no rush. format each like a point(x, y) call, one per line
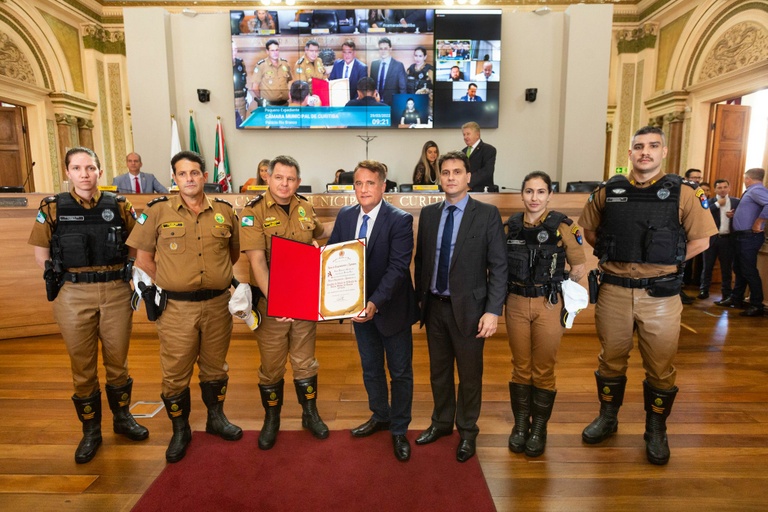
point(366, 68)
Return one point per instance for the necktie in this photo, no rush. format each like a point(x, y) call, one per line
point(346, 70)
point(364, 227)
point(445, 253)
point(382, 74)
point(469, 151)
point(138, 188)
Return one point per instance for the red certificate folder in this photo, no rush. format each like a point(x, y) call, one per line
point(309, 283)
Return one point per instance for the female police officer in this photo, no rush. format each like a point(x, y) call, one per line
point(539, 242)
point(79, 238)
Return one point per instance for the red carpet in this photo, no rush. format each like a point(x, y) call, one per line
point(301, 473)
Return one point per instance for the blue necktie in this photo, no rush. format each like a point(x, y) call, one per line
point(346, 70)
point(363, 227)
point(445, 253)
point(382, 74)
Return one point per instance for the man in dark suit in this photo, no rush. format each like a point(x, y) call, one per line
point(366, 94)
point(349, 67)
point(388, 73)
point(720, 246)
point(482, 157)
point(135, 181)
point(385, 328)
point(471, 94)
point(461, 285)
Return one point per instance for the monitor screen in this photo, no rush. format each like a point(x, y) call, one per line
point(366, 68)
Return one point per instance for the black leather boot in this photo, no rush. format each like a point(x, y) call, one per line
point(610, 392)
point(214, 392)
point(542, 401)
point(658, 405)
point(272, 399)
point(306, 391)
point(119, 399)
point(520, 396)
point(89, 414)
point(177, 408)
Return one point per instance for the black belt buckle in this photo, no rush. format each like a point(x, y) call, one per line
point(442, 298)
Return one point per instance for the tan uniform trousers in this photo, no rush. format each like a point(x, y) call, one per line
point(534, 331)
point(87, 312)
point(194, 332)
point(618, 312)
point(280, 340)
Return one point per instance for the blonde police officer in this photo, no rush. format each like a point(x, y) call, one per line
point(282, 212)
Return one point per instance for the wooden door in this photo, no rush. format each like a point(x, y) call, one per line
point(14, 160)
point(728, 145)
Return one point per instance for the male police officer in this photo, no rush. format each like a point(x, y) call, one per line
point(642, 228)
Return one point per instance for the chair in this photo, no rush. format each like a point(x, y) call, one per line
point(306, 189)
point(555, 186)
point(406, 187)
point(391, 186)
point(581, 186)
point(347, 178)
point(325, 19)
point(212, 188)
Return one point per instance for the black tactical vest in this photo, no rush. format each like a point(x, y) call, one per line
point(533, 255)
point(89, 237)
point(642, 225)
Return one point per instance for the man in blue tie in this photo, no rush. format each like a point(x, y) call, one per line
point(349, 67)
point(389, 73)
point(461, 285)
point(384, 332)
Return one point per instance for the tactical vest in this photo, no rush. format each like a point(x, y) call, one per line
point(533, 254)
point(88, 237)
point(642, 225)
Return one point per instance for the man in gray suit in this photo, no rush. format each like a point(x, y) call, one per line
point(135, 181)
point(461, 284)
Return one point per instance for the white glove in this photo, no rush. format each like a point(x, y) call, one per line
point(241, 306)
point(575, 298)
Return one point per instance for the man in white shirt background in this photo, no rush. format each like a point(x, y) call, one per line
point(488, 74)
point(720, 246)
point(135, 181)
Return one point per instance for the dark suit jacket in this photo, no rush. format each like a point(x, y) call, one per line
point(366, 101)
point(716, 211)
point(478, 99)
point(149, 184)
point(395, 81)
point(478, 273)
point(388, 254)
point(482, 163)
point(358, 71)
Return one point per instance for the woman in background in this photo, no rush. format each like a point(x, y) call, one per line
point(420, 74)
point(410, 115)
point(260, 179)
point(426, 171)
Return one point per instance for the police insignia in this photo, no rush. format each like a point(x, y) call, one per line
point(542, 237)
point(107, 215)
point(142, 218)
point(577, 234)
point(591, 197)
point(132, 212)
point(302, 212)
point(662, 194)
point(174, 246)
point(619, 190)
point(702, 198)
point(40, 218)
point(219, 218)
point(247, 221)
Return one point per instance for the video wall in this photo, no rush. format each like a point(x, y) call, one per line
point(366, 68)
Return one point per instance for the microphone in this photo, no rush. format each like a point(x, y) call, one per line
point(510, 189)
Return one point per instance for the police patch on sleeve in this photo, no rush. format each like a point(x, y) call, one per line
point(40, 217)
point(133, 213)
point(577, 234)
point(247, 221)
point(142, 218)
point(702, 198)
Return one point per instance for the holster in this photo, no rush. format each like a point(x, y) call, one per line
point(53, 281)
point(594, 285)
point(148, 294)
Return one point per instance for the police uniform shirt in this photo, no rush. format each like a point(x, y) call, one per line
point(693, 215)
point(46, 219)
point(265, 219)
point(306, 70)
point(192, 251)
point(273, 80)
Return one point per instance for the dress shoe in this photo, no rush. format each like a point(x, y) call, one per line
point(402, 447)
point(432, 434)
point(465, 451)
point(753, 310)
point(703, 295)
point(730, 302)
point(370, 427)
point(685, 298)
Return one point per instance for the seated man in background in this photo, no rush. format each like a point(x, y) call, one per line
point(135, 181)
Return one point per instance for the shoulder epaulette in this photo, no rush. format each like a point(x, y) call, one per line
point(48, 200)
point(255, 200)
point(302, 197)
point(691, 184)
point(282, 59)
point(223, 201)
point(261, 62)
point(120, 199)
point(301, 60)
point(157, 200)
